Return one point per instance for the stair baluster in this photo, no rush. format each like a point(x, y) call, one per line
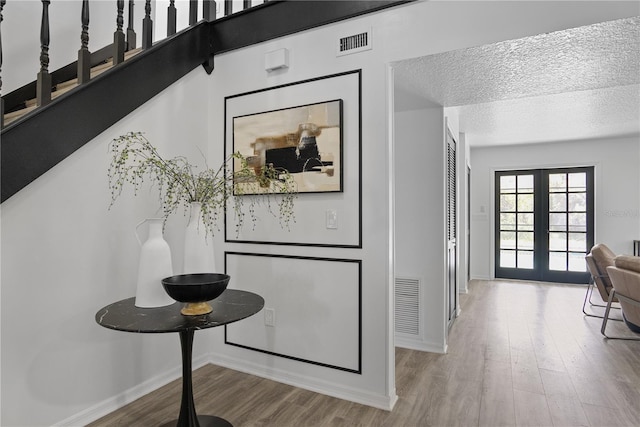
point(171, 18)
point(84, 56)
point(193, 12)
point(43, 86)
point(209, 10)
point(228, 7)
point(131, 33)
point(246, 4)
point(147, 26)
point(209, 15)
point(2, 3)
point(118, 36)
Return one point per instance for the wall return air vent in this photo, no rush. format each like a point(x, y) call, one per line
point(407, 307)
point(355, 43)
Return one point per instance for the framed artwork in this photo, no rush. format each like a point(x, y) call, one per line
point(304, 140)
point(312, 128)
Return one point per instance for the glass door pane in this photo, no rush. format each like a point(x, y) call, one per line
point(567, 219)
point(515, 234)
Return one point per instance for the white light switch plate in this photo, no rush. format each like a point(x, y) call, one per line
point(332, 219)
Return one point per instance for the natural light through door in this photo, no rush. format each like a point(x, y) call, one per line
point(544, 224)
point(516, 221)
point(567, 221)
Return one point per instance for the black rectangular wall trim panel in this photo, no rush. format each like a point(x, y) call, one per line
point(298, 359)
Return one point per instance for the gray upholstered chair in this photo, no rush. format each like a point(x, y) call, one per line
point(625, 278)
point(598, 260)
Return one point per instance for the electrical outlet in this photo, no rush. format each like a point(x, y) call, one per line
point(269, 317)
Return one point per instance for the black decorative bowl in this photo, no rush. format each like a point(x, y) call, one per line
point(195, 290)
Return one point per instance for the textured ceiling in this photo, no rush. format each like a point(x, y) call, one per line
point(574, 84)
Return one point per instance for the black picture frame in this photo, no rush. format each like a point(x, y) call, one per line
point(304, 140)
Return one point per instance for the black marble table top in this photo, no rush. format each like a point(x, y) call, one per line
point(231, 306)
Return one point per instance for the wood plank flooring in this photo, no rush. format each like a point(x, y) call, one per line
point(520, 354)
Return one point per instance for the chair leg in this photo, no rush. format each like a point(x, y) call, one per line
point(606, 317)
point(593, 303)
point(587, 297)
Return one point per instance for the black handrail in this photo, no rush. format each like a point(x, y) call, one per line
point(29, 147)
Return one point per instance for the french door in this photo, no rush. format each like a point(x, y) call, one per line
point(544, 224)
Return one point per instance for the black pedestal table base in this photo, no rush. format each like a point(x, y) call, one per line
point(188, 416)
point(203, 421)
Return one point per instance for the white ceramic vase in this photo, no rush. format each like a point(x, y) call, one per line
point(154, 265)
point(198, 246)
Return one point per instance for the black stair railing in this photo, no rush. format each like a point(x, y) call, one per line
point(193, 11)
point(84, 56)
point(147, 26)
point(119, 37)
point(131, 34)
point(209, 10)
point(172, 17)
point(43, 91)
point(39, 140)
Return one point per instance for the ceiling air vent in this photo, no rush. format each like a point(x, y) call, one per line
point(354, 43)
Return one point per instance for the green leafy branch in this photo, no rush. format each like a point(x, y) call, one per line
point(134, 161)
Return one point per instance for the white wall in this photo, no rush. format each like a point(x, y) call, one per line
point(243, 70)
point(65, 255)
point(616, 197)
point(420, 204)
point(420, 218)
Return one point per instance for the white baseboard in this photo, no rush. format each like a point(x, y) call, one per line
point(312, 384)
point(114, 403)
point(421, 345)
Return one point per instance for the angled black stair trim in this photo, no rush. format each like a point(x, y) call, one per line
point(33, 145)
